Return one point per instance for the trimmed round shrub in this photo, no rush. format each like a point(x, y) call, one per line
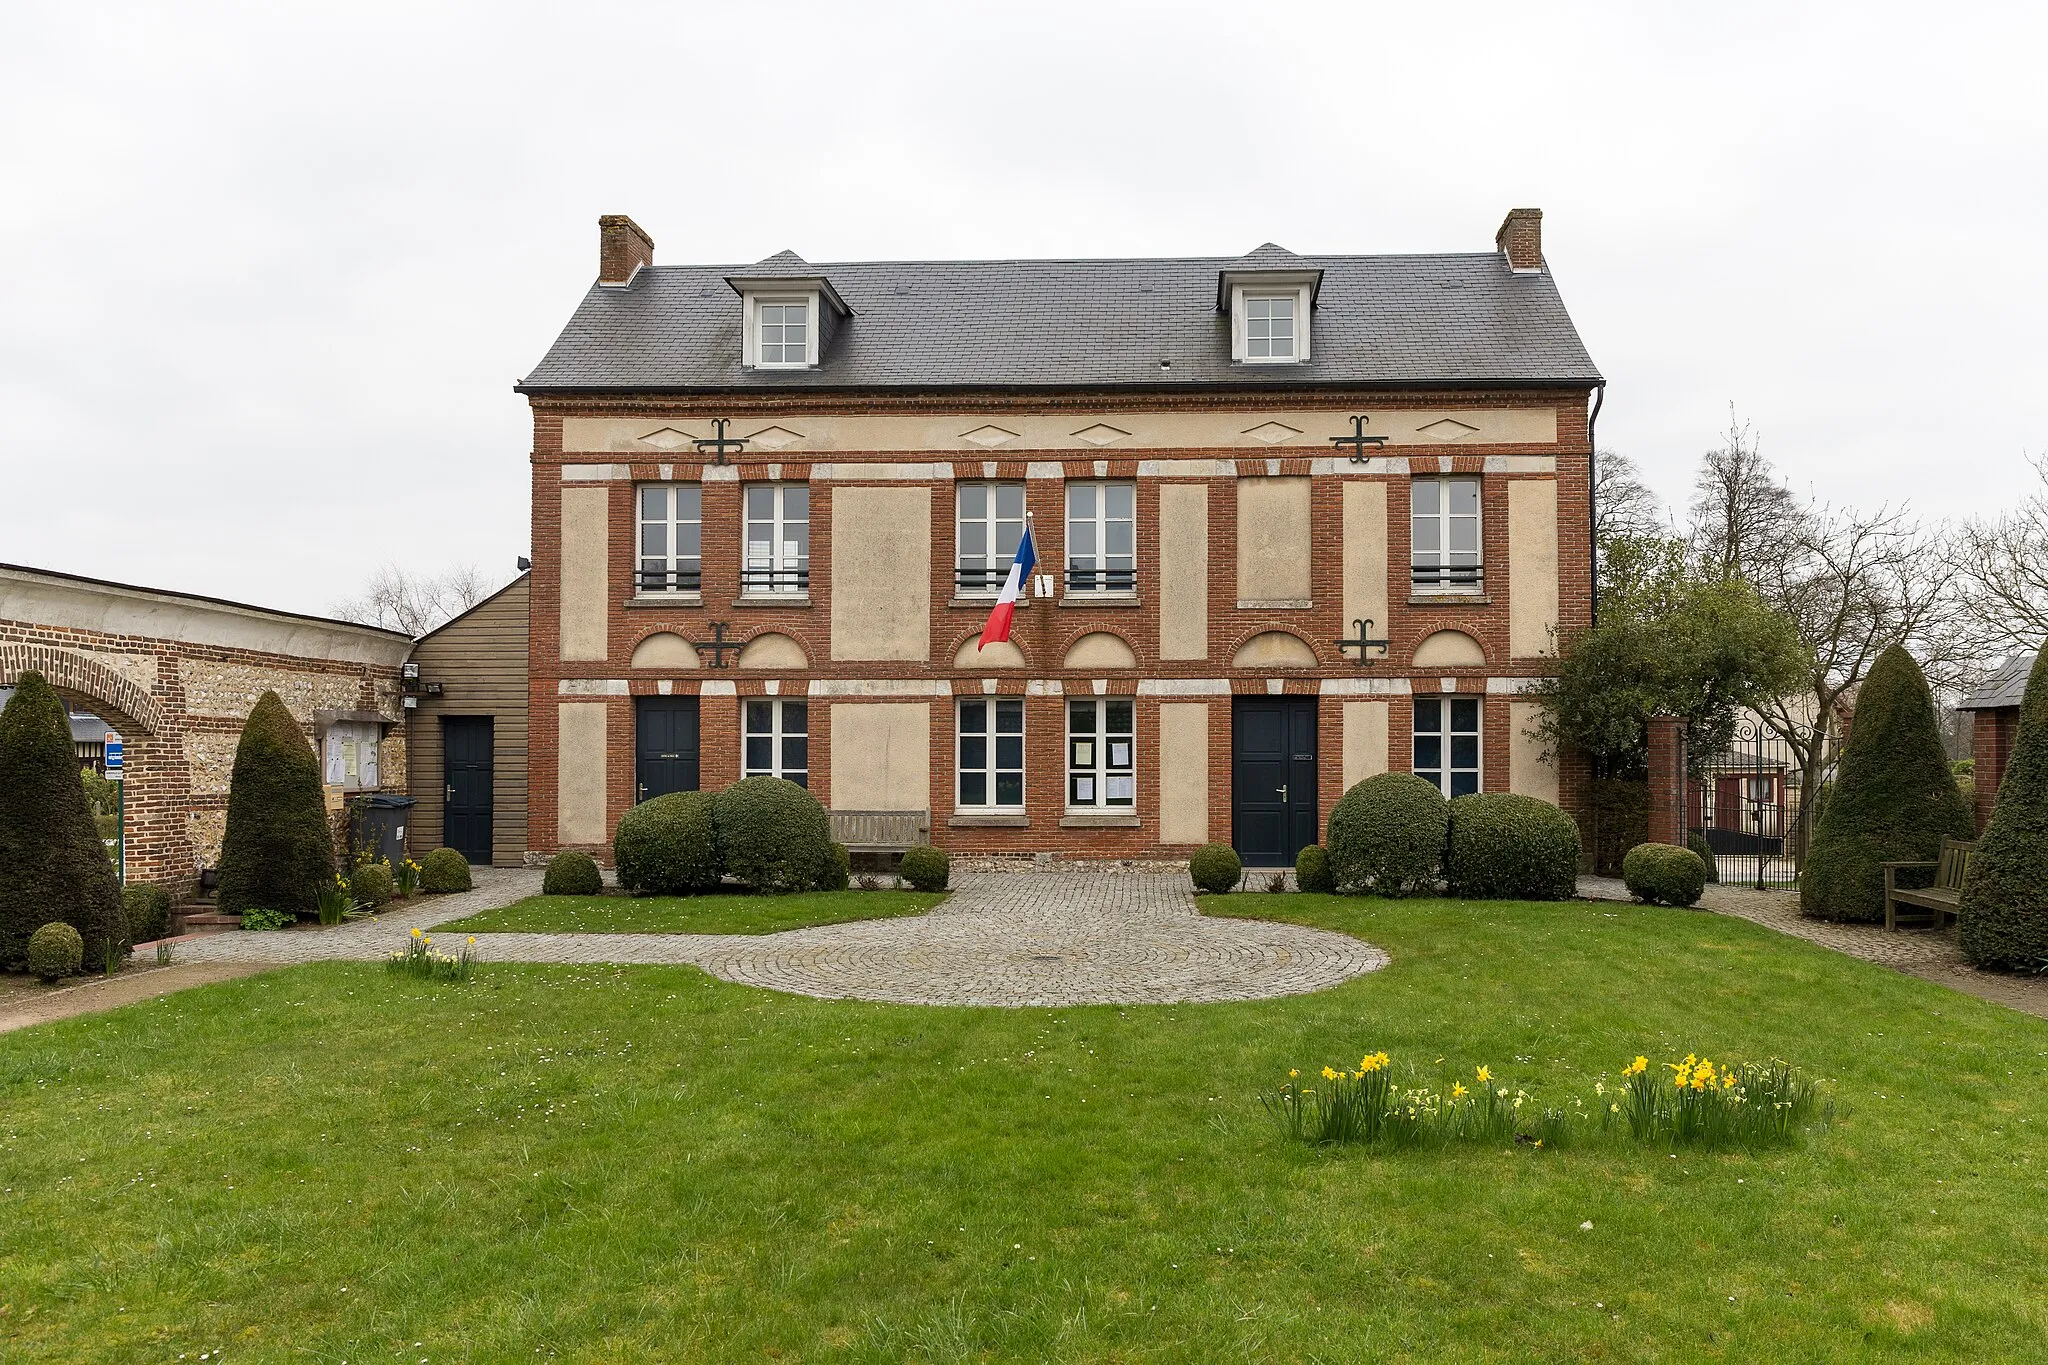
point(668, 846)
point(572, 874)
point(149, 912)
point(1507, 847)
point(772, 834)
point(278, 849)
point(1697, 842)
point(1664, 874)
point(444, 870)
point(55, 951)
point(1215, 869)
point(837, 874)
point(1894, 797)
point(53, 864)
point(1312, 870)
point(2003, 920)
point(1387, 835)
point(372, 885)
point(926, 868)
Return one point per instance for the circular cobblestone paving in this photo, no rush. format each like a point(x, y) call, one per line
point(1062, 937)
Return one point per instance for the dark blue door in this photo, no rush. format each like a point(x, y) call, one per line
point(466, 743)
point(665, 746)
point(1273, 778)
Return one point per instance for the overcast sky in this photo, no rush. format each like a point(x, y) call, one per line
point(267, 276)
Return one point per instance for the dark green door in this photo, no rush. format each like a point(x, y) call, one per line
point(466, 744)
point(1273, 778)
point(665, 746)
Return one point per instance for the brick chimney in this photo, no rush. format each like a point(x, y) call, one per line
point(1520, 239)
point(622, 248)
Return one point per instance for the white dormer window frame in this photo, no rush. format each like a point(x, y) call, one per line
point(756, 301)
point(1299, 292)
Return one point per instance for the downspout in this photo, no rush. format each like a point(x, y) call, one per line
point(1592, 511)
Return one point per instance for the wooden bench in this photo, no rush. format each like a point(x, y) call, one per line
point(881, 831)
point(1933, 902)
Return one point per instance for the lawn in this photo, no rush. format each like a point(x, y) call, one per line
point(641, 1164)
point(690, 914)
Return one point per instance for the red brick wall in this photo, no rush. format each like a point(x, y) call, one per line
point(1991, 739)
point(1044, 628)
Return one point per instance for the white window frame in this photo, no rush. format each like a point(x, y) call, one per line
point(990, 769)
point(1444, 519)
point(670, 563)
point(1101, 521)
point(1446, 771)
point(996, 563)
point(1257, 301)
point(778, 560)
point(752, 344)
point(1240, 316)
point(1098, 771)
point(777, 734)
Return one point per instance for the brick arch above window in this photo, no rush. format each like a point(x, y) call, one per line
point(1100, 649)
point(1273, 648)
point(774, 649)
point(1001, 654)
point(1450, 647)
point(665, 649)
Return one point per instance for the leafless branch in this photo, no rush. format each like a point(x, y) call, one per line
point(396, 599)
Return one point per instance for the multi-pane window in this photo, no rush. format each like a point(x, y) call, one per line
point(1101, 753)
point(991, 523)
point(785, 333)
point(778, 740)
point(1269, 326)
point(778, 543)
point(991, 753)
point(1447, 743)
point(671, 537)
point(1444, 535)
point(1102, 537)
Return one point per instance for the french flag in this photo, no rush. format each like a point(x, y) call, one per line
point(998, 628)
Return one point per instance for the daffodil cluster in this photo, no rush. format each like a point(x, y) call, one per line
point(419, 958)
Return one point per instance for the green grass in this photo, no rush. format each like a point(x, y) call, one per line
point(641, 1164)
point(690, 914)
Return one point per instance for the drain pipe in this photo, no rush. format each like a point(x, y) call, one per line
point(1592, 511)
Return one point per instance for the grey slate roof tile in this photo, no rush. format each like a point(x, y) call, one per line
point(2006, 686)
point(1462, 319)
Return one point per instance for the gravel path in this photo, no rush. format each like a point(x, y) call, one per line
point(1066, 936)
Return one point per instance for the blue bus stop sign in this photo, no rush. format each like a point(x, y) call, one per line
point(113, 759)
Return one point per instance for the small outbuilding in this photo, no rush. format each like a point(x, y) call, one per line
point(1995, 724)
point(465, 703)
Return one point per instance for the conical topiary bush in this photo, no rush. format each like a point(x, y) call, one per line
point(278, 849)
point(1894, 796)
point(2004, 915)
point(53, 864)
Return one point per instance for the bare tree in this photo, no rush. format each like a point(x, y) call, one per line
point(2000, 571)
point(1741, 513)
point(396, 599)
point(1623, 505)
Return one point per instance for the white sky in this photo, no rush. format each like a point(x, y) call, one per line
point(267, 277)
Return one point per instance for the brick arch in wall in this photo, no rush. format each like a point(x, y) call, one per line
point(110, 696)
point(158, 777)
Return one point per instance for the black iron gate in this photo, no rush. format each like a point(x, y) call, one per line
point(1751, 808)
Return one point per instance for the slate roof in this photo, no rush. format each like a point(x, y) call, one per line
point(2006, 686)
point(1465, 320)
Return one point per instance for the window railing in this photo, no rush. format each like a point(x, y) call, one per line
point(1447, 577)
point(775, 580)
point(1102, 580)
point(980, 580)
point(668, 580)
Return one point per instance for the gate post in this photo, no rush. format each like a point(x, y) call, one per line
point(1667, 780)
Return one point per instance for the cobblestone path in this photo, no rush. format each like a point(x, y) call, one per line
point(1061, 937)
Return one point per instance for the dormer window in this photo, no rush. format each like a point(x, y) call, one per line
point(785, 331)
point(1269, 326)
point(1271, 302)
point(789, 314)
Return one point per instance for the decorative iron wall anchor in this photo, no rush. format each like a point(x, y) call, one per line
point(1363, 642)
point(718, 644)
point(721, 443)
point(1358, 440)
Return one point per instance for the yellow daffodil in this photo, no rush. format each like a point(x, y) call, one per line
point(1458, 1091)
point(415, 932)
point(1292, 1072)
point(472, 940)
point(1636, 1067)
point(1485, 1075)
point(1328, 1074)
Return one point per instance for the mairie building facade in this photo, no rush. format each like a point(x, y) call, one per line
point(1298, 520)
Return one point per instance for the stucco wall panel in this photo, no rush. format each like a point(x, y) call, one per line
point(580, 776)
point(1272, 539)
point(1184, 772)
point(1528, 772)
point(1183, 571)
point(586, 539)
point(1365, 741)
point(1532, 568)
point(881, 755)
point(1365, 555)
point(881, 573)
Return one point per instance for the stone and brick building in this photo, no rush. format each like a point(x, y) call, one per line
point(1994, 727)
point(773, 504)
point(175, 674)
